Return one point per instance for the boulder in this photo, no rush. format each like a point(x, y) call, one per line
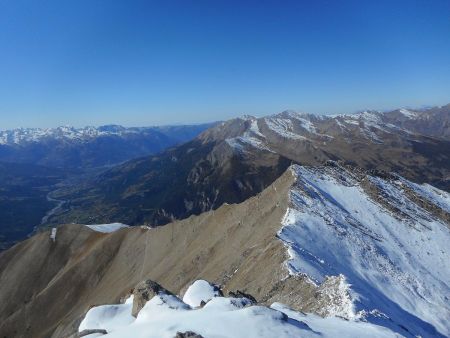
point(143, 292)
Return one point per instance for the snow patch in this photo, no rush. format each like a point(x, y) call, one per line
point(53, 234)
point(283, 127)
point(200, 291)
point(108, 317)
point(408, 113)
point(107, 228)
point(252, 137)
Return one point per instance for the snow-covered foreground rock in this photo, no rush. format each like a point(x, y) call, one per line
point(165, 315)
point(391, 250)
point(200, 291)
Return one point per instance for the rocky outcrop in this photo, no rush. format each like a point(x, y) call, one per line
point(143, 292)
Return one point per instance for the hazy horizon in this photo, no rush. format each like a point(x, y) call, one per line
point(127, 125)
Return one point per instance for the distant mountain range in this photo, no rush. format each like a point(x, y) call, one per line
point(68, 147)
point(34, 162)
point(237, 159)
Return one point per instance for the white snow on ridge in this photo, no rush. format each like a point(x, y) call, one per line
point(408, 113)
point(254, 129)
point(396, 266)
point(252, 137)
point(165, 315)
point(308, 125)
point(200, 291)
point(107, 228)
point(108, 317)
point(283, 127)
point(431, 194)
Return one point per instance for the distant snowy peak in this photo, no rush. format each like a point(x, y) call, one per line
point(28, 135)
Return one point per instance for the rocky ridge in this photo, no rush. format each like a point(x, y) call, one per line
point(265, 247)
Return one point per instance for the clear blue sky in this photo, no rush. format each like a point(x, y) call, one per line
point(90, 62)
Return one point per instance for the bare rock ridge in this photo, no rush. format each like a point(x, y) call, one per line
point(239, 158)
point(330, 240)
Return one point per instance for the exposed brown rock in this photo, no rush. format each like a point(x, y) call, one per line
point(143, 292)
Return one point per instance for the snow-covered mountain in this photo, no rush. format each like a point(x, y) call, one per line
point(90, 146)
point(335, 248)
point(21, 136)
point(26, 135)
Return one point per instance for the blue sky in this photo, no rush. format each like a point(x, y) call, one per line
point(91, 62)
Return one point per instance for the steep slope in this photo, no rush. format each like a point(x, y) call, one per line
point(88, 147)
point(238, 158)
point(333, 241)
point(387, 236)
